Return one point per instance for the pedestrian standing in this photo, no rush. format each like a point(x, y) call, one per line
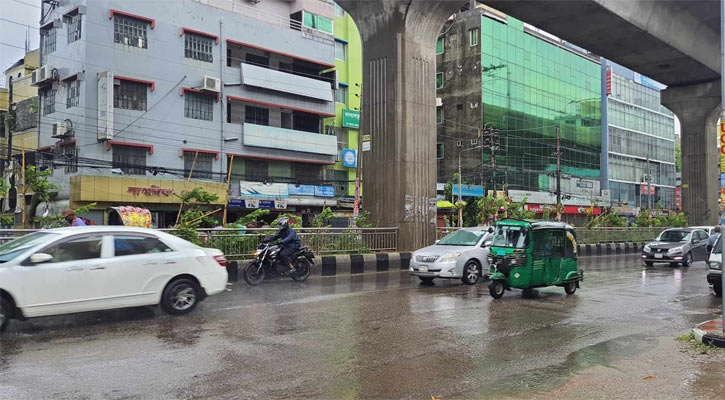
point(70, 217)
point(713, 238)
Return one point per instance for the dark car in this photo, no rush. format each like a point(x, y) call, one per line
point(677, 246)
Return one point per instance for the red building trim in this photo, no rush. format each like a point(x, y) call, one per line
point(126, 78)
point(302, 161)
point(112, 143)
point(280, 53)
point(185, 149)
point(200, 33)
point(264, 103)
point(193, 90)
point(113, 12)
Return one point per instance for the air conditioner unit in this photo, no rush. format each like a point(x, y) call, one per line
point(211, 84)
point(41, 75)
point(60, 130)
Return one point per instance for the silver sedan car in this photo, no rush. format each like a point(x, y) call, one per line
point(460, 255)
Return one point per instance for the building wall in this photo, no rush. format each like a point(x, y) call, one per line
point(641, 141)
point(164, 125)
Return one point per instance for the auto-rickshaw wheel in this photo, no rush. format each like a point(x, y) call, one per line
point(496, 289)
point(570, 287)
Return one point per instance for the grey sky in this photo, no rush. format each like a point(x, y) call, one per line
point(14, 34)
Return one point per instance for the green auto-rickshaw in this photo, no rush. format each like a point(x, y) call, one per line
point(532, 254)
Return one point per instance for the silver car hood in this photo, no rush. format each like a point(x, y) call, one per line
point(439, 250)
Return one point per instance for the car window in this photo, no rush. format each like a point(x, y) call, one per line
point(128, 245)
point(10, 250)
point(80, 248)
point(702, 235)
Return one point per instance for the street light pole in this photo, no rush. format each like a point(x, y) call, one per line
point(460, 210)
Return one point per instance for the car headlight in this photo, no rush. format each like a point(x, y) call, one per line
point(675, 250)
point(715, 265)
point(450, 257)
point(647, 248)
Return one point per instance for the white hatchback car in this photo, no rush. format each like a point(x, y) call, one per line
point(77, 269)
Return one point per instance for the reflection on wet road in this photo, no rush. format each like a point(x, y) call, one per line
point(374, 336)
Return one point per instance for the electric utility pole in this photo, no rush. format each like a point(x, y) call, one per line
point(460, 209)
point(722, 120)
point(558, 172)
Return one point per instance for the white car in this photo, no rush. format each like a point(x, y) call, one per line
point(77, 269)
point(460, 255)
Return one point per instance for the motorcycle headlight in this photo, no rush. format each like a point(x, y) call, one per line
point(255, 253)
point(647, 248)
point(450, 257)
point(715, 265)
point(675, 250)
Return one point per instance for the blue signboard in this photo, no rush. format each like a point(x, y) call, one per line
point(468, 191)
point(722, 180)
point(268, 204)
point(325, 191)
point(236, 203)
point(349, 158)
point(301, 190)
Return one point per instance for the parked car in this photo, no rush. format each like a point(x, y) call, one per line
point(714, 268)
point(459, 255)
point(708, 229)
point(77, 269)
point(677, 246)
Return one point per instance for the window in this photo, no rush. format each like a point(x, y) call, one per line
point(341, 94)
point(317, 22)
point(439, 115)
point(130, 159)
point(202, 166)
point(81, 248)
point(74, 27)
point(256, 115)
point(259, 61)
point(49, 101)
point(440, 45)
point(439, 80)
point(130, 31)
point(48, 36)
point(129, 95)
point(198, 106)
point(340, 50)
point(473, 37)
point(198, 47)
point(286, 120)
point(134, 245)
point(307, 173)
point(73, 92)
point(440, 150)
point(339, 11)
point(256, 170)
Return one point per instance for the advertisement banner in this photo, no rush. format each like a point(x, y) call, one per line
point(266, 204)
point(349, 158)
point(722, 148)
point(325, 191)
point(468, 191)
point(350, 119)
point(259, 189)
point(251, 203)
point(280, 205)
point(581, 210)
point(105, 106)
point(678, 198)
point(301, 190)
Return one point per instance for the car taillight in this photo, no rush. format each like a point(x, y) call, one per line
point(221, 260)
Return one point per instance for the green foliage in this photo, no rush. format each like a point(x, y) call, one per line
point(674, 220)
point(323, 219)
point(56, 221)
point(471, 213)
point(678, 158)
point(194, 217)
point(519, 210)
point(198, 196)
point(253, 217)
point(295, 221)
point(363, 220)
point(7, 220)
point(36, 182)
point(448, 191)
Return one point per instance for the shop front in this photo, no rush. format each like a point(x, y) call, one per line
point(160, 196)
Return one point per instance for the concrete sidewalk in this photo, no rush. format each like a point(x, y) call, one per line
point(710, 332)
point(383, 262)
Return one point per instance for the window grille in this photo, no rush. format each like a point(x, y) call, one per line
point(198, 106)
point(202, 166)
point(74, 27)
point(73, 93)
point(130, 31)
point(198, 47)
point(49, 101)
point(130, 159)
point(129, 95)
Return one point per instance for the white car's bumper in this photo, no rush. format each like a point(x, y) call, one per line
point(215, 283)
point(448, 269)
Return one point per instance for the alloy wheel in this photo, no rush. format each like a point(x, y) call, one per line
point(183, 297)
point(472, 272)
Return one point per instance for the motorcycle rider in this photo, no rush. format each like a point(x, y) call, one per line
point(290, 242)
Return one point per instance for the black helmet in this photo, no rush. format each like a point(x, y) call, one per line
point(283, 223)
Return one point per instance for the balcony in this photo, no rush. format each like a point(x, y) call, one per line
point(269, 79)
point(289, 139)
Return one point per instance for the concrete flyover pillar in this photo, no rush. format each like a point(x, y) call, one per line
point(698, 108)
point(398, 112)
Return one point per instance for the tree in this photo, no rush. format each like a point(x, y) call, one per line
point(36, 182)
point(678, 158)
point(322, 219)
point(196, 214)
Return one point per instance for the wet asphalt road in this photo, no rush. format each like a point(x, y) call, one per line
point(374, 336)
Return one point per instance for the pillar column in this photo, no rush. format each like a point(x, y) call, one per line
point(398, 112)
point(698, 108)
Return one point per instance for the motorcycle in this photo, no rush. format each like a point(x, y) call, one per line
point(269, 263)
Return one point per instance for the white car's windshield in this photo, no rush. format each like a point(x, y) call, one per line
point(461, 238)
point(511, 236)
point(10, 250)
point(673, 236)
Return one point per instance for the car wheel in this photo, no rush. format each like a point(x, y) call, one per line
point(649, 263)
point(253, 275)
point(570, 287)
point(496, 289)
point(687, 261)
point(6, 312)
point(426, 280)
point(717, 289)
point(180, 296)
point(471, 273)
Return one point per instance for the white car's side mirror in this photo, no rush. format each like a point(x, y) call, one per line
point(436, 242)
point(40, 258)
point(487, 243)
